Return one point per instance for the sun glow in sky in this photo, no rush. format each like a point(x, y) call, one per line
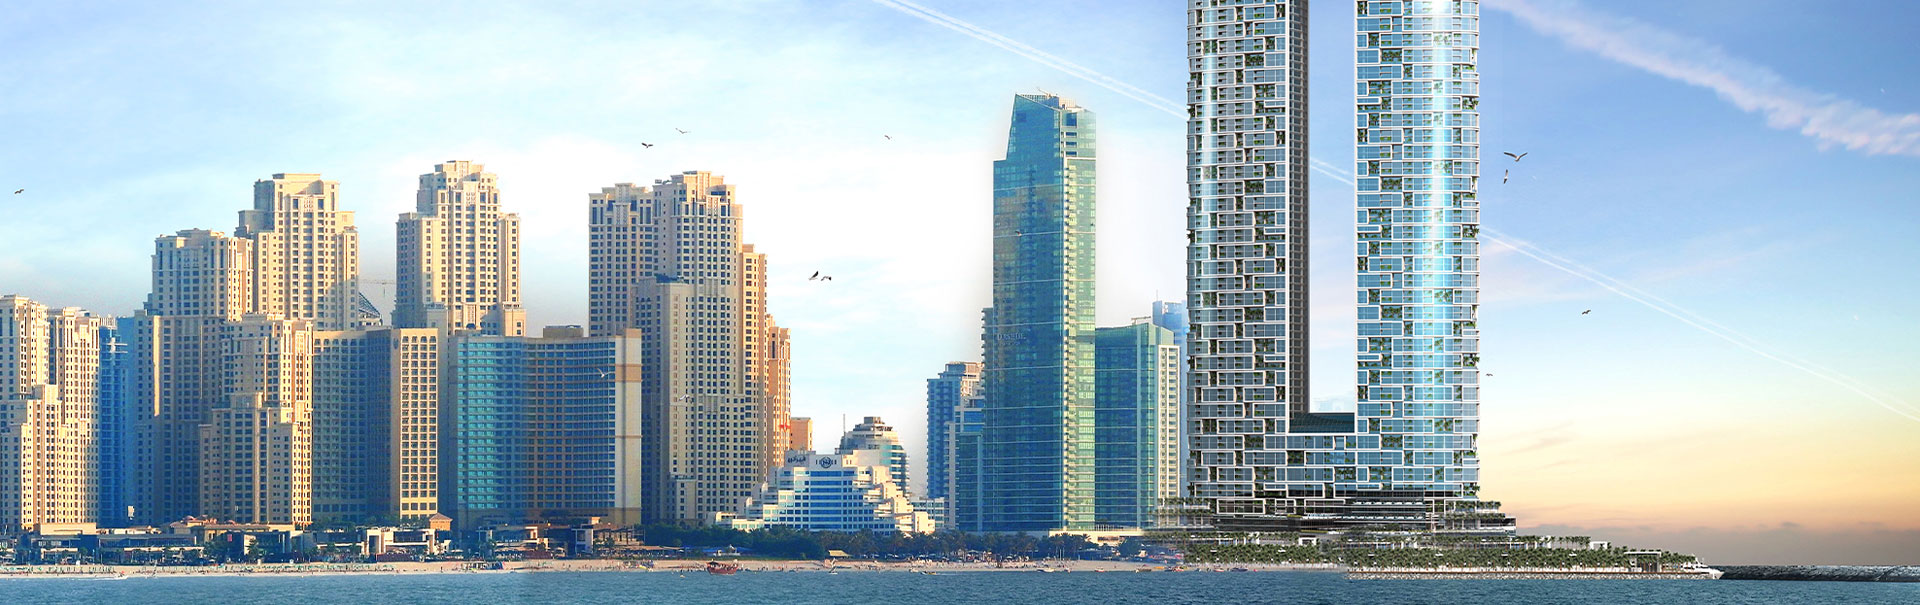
point(1754, 162)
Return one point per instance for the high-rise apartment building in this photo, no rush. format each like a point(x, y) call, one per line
point(1247, 239)
point(1407, 456)
point(376, 424)
point(116, 415)
point(1136, 423)
point(543, 429)
point(1035, 461)
point(963, 449)
point(1417, 174)
point(49, 414)
point(765, 346)
point(1173, 317)
point(306, 251)
point(197, 272)
point(458, 257)
point(668, 260)
point(256, 451)
point(201, 280)
point(954, 385)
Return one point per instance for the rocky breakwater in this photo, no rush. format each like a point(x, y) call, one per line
point(1821, 573)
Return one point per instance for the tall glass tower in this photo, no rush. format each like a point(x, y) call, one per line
point(1246, 245)
point(1260, 458)
point(1036, 468)
point(1418, 168)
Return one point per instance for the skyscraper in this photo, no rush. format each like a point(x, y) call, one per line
point(1173, 317)
point(1407, 457)
point(1036, 468)
point(459, 256)
point(1247, 238)
point(1418, 167)
point(543, 429)
point(765, 346)
point(256, 450)
point(1136, 423)
point(306, 251)
point(668, 260)
point(49, 414)
point(376, 423)
point(959, 382)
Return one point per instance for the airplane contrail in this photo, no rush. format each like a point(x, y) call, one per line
point(1036, 55)
point(1322, 167)
point(1527, 249)
point(1681, 314)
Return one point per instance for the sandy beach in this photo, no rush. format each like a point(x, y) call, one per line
point(608, 565)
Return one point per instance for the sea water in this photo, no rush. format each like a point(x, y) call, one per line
point(1000, 588)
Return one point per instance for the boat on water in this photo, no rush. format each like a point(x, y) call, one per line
point(722, 569)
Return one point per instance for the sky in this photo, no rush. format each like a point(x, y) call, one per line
point(1750, 166)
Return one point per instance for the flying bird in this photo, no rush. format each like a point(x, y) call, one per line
point(680, 131)
point(889, 137)
point(1587, 312)
point(818, 277)
point(647, 145)
point(19, 191)
point(1504, 175)
point(1516, 158)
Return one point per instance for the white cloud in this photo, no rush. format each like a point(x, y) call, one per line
point(1754, 88)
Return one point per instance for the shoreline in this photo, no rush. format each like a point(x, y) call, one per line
point(678, 566)
point(698, 566)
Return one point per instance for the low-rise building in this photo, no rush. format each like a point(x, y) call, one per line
point(847, 491)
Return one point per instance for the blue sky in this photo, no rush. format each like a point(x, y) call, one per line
point(126, 122)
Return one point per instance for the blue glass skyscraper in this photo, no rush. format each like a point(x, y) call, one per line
point(543, 429)
point(1136, 423)
point(1036, 465)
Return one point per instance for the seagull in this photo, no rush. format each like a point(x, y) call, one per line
point(680, 131)
point(889, 137)
point(1504, 175)
point(1516, 158)
point(19, 191)
point(1587, 312)
point(647, 145)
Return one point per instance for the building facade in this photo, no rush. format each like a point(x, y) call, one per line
point(376, 424)
point(306, 251)
point(201, 281)
point(668, 260)
point(957, 383)
point(1136, 423)
point(458, 256)
point(1417, 174)
point(800, 434)
point(846, 491)
point(543, 429)
point(50, 402)
point(1247, 234)
point(256, 450)
point(1036, 443)
point(873, 434)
